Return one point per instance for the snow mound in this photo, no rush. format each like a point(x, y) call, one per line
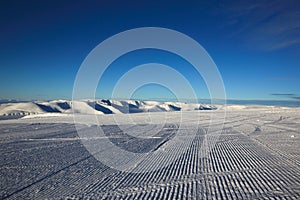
point(101, 106)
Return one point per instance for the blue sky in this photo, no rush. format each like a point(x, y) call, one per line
point(255, 44)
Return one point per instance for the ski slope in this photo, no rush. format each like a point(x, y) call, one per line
point(255, 157)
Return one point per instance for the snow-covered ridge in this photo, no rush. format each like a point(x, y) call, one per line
point(96, 107)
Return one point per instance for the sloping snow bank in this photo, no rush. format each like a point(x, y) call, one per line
point(95, 107)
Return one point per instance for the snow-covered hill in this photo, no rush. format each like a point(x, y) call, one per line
point(95, 107)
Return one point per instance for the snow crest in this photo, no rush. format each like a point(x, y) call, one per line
point(102, 106)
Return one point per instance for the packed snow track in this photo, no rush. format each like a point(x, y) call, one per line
point(256, 157)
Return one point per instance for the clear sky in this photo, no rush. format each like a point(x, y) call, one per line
point(255, 44)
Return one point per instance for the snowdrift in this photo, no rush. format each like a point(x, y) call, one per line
point(96, 107)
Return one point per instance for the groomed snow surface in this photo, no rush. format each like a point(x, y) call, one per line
point(256, 155)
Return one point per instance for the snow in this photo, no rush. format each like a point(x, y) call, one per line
point(96, 107)
point(102, 107)
point(255, 157)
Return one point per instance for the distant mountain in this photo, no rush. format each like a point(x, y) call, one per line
point(102, 106)
point(10, 101)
